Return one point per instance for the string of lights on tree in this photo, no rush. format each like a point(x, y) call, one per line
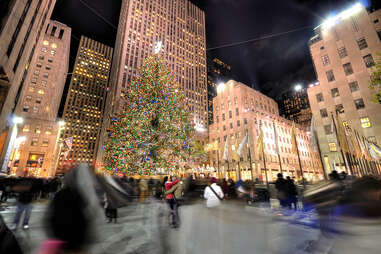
point(154, 132)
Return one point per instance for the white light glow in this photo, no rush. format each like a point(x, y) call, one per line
point(17, 120)
point(61, 123)
point(298, 87)
point(332, 21)
point(220, 87)
point(158, 46)
point(199, 127)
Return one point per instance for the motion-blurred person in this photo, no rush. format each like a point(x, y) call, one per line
point(213, 194)
point(292, 193)
point(6, 191)
point(143, 187)
point(281, 187)
point(225, 187)
point(232, 192)
point(73, 214)
point(358, 218)
point(8, 242)
point(111, 208)
point(171, 200)
point(24, 203)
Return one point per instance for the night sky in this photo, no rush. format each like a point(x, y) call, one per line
point(269, 65)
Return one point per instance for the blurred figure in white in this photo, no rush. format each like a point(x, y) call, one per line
point(213, 194)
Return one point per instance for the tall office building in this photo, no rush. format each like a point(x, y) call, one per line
point(240, 110)
point(35, 152)
point(343, 50)
point(180, 26)
point(294, 105)
point(217, 72)
point(22, 24)
point(85, 101)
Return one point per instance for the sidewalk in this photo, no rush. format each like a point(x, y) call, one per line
point(273, 209)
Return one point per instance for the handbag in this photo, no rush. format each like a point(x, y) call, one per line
point(215, 193)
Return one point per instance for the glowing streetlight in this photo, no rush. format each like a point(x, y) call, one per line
point(61, 123)
point(220, 87)
point(17, 120)
point(330, 22)
point(298, 87)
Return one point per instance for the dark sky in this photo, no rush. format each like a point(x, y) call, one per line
point(270, 65)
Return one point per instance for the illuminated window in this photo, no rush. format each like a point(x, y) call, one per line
point(54, 45)
point(35, 109)
point(48, 131)
point(45, 43)
point(332, 147)
point(26, 128)
point(339, 108)
point(52, 52)
point(43, 82)
point(38, 130)
point(28, 98)
point(25, 108)
point(41, 91)
point(43, 49)
point(365, 122)
point(45, 143)
point(34, 142)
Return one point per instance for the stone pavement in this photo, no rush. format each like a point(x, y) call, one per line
point(143, 228)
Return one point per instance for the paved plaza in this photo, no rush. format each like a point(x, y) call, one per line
point(143, 228)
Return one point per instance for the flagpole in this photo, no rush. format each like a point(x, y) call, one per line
point(339, 143)
point(264, 165)
point(277, 147)
point(251, 165)
point(300, 163)
point(239, 169)
point(320, 157)
point(218, 162)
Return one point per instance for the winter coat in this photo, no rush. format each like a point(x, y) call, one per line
point(168, 185)
point(211, 199)
point(177, 190)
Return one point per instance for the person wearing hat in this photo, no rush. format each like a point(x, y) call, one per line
point(213, 194)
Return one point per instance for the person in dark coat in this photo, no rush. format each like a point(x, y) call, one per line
point(111, 209)
point(292, 193)
point(8, 242)
point(282, 193)
point(25, 192)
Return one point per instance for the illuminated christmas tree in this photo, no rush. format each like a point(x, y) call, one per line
point(154, 133)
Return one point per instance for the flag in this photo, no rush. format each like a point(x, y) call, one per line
point(276, 140)
point(374, 150)
point(313, 135)
point(226, 150)
point(293, 138)
point(352, 144)
point(341, 135)
point(66, 154)
point(241, 146)
point(260, 143)
point(234, 149)
point(69, 143)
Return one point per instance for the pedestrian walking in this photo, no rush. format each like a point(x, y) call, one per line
point(111, 208)
point(24, 203)
point(213, 194)
point(281, 187)
point(225, 187)
point(292, 194)
point(171, 200)
point(143, 187)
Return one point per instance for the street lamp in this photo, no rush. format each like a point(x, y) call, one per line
point(298, 87)
point(17, 120)
point(220, 87)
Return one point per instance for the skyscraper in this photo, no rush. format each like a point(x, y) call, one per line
point(85, 101)
point(39, 102)
point(218, 72)
point(343, 50)
point(180, 26)
point(22, 25)
point(294, 105)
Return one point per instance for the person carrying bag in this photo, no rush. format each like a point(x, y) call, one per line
point(213, 194)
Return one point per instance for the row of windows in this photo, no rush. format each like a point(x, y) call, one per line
point(353, 86)
point(348, 70)
point(359, 104)
point(37, 130)
point(364, 121)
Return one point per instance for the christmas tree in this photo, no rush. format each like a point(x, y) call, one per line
point(154, 133)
